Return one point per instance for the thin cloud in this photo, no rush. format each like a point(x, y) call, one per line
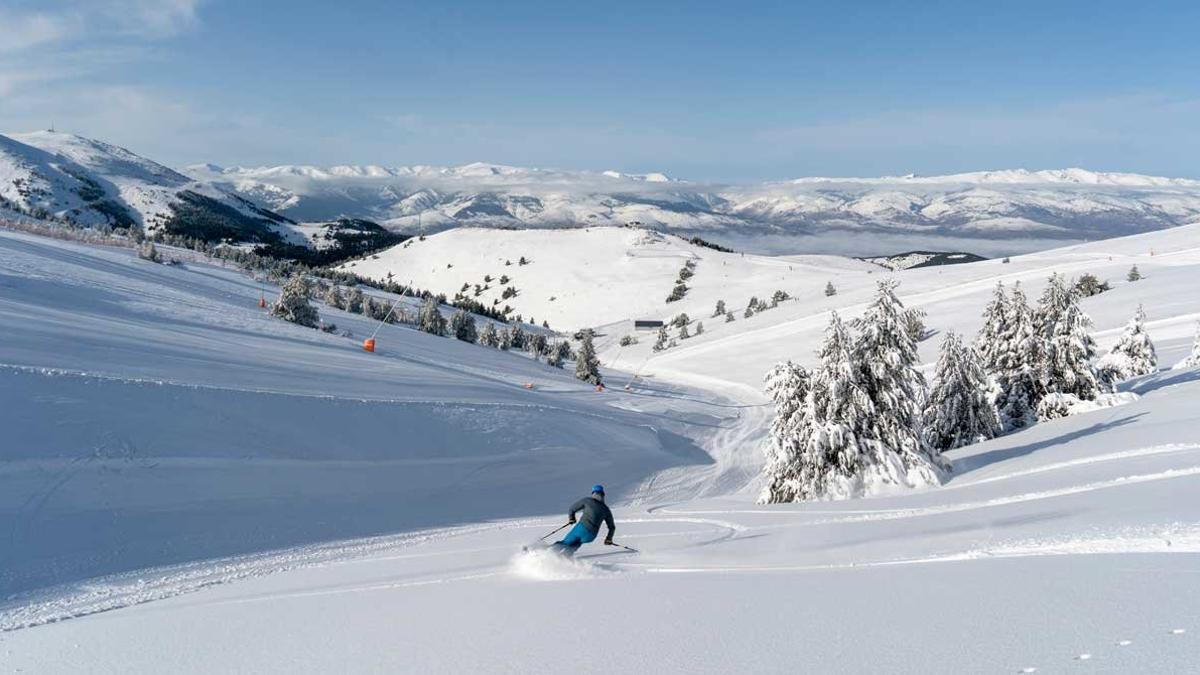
point(21, 31)
point(151, 19)
point(56, 26)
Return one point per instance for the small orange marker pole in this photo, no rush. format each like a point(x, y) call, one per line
point(262, 301)
point(528, 385)
point(599, 387)
point(369, 345)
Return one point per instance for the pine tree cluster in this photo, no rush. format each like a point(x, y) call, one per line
point(856, 422)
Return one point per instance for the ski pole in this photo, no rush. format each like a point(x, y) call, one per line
point(627, 548)
point(556, 531)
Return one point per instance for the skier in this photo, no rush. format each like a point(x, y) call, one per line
point(594, 511)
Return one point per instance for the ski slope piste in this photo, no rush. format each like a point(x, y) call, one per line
point(190, 485)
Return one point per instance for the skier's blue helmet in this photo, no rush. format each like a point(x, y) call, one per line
point(598, 488)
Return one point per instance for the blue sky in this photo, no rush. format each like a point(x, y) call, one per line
point(706, 91)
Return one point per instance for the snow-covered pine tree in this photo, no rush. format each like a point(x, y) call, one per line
point(1063, 328)
point(536, 345)
point(561, 351)
point(960, 410)
point(334, 297)
point(462, 326)
point(293, 304)
point(1088, 285)
point(886, 355)
point(1193, 359)
point(660, 343)
point(488, 336)
point(683, 332)
point(829, 289)
point(147, 251)
point(1134, 274)
point(354, 300)
point(720, 308)
point(914, 323)
point(728, 317)
point(818, 451)
point(699, 328)
point(1017, 366)
point(587, 366)
point(989, 341)
point(788, 385)
point(431, 320)
point(1131, 355)
point(505, 339)
point(517, 337)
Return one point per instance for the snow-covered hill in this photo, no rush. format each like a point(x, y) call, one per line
point(911, 259)
point(991, 212)
point(152, 414)
point(607, 277)
point(953, 296)
point(49, 174)
point(595, 276)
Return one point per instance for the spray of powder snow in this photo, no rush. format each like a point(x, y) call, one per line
point(546, 565)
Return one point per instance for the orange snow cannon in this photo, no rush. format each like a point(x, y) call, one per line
point(369, 345)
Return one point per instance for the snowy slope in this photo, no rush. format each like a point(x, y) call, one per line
point(954, 297)
point(164, 395)
point(607, 277)
point(1068, 546)
point(988, 212)
point(593, 276)
point(94, 183)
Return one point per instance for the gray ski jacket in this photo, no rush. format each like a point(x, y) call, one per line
point(595, 511)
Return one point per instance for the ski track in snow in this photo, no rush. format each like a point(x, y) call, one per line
point(1168, 539)
point(134, 588)
point(1168, 448)
point(896, 514)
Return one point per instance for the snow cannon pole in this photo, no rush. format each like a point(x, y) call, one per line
point(627, 548)
point(385, 318)
point(554, 532)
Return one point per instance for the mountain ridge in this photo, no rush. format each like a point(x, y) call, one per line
point(1000, 212)
point(1013, 204)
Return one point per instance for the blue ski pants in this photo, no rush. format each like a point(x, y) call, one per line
point(578, 536)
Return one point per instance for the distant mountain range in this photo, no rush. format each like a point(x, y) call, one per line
point(55, 175)
point(989, 212)
point(1070, 204)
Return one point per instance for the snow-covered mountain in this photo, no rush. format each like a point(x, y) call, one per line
point(991, 213)
point(49, 174)
point(1006, 211)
